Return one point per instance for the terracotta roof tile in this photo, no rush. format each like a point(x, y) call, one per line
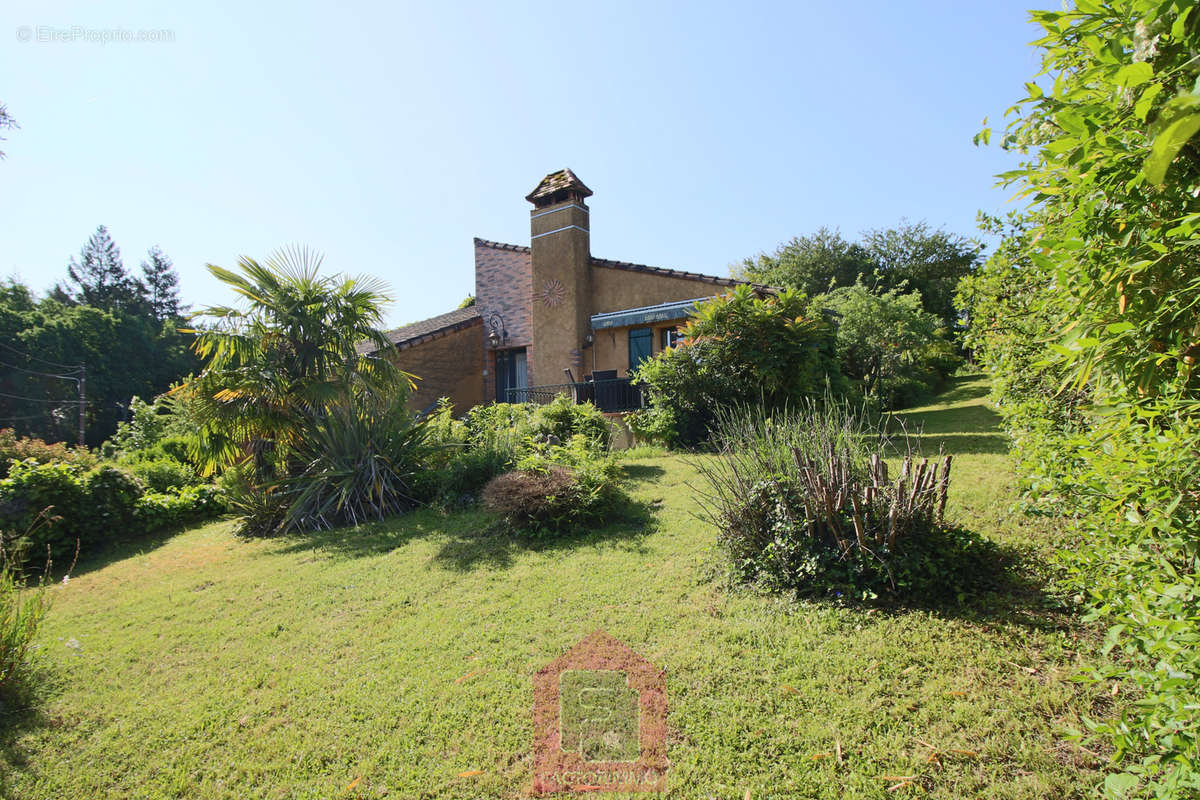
point(416, 332)
point(611, 264)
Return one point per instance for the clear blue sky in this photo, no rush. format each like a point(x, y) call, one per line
point(389, 135)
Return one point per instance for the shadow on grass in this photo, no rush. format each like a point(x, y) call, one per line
point(642, 472)
point(494, 546)
point(990, 582)
point(20, 713)
point(114, 550)
point(376, 538)
point(964, 420)
point(959, 444)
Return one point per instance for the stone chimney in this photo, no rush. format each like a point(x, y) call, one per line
point(561, 259)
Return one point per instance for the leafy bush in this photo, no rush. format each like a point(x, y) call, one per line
point(895, 350)
point(15, 448)
point(739, 349)
point(28, 491)
point(803, 501)
point(563, 418)
point(160, 475)
point(64, 509)
point(112, 495)
point(491, 439)
point(555, 487)
point(1087, 318)
point(150, 424)
point(177, 506)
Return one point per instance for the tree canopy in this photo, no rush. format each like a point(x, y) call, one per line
point(909, 257)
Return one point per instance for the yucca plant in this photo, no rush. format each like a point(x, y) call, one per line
point(802, 500)
point(354, 462)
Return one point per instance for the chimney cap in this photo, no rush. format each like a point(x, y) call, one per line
point(558, 186)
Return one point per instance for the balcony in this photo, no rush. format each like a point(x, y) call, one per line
point(610, 395)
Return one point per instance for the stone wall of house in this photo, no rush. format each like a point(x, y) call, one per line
point(504, 287)
point(449, 365)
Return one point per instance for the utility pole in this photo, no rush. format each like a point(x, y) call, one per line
point(82, 398)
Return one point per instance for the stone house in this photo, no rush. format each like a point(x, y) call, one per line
point(549, 317)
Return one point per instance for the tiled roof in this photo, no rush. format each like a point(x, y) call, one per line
point(610, 264)
point(557, 182)
point(416, 332)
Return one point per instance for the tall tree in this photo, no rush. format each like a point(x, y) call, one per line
point(100, 278)
point(162, 285)
point(43, 342)
point(6, 123)
point(813, 264)
point(929, 260)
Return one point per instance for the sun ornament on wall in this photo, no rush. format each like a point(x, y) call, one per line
point(552, 293)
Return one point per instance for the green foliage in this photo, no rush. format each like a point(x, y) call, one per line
point(895, 350)
point(739, 349)
point(27, 492)
point(916, 257)
point(126, 354)
point(14, 448)
point(555, 488)
point(812, 264)
point(64, 509)
point(288, 353)
point(1102, 267)
point(912, 257)
point(21, 613)
point(357, 462)
point(149, 424)
point(491, 439)
point(112, 496)
point(563, 418)
point(161, 474)
point(161, 510)
point(316, 429)
point(802, 502)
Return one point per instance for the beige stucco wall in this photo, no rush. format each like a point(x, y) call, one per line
point(616, 289)
point(448, 366)
point(561, 288)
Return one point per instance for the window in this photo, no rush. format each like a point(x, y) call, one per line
point(671, 337)
point(511, 374)
point(640, 346)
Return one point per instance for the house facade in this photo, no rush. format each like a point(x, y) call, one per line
point(550, 317)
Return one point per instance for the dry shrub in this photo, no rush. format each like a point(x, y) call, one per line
point(534, 500)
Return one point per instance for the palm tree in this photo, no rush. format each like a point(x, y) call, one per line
point(291, 350)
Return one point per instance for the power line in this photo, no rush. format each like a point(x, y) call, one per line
point(36, 400)
point(32, 357)
point(42, 374)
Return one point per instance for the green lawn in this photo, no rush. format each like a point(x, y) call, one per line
point(397, 661)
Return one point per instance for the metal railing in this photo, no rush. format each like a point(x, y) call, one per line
point(617, 394)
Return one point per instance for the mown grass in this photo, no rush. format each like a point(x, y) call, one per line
point(396, 660)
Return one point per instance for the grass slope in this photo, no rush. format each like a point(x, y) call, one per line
point(396, 661)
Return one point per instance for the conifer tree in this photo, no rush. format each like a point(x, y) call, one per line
point(100, 279)
point(162, 285)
